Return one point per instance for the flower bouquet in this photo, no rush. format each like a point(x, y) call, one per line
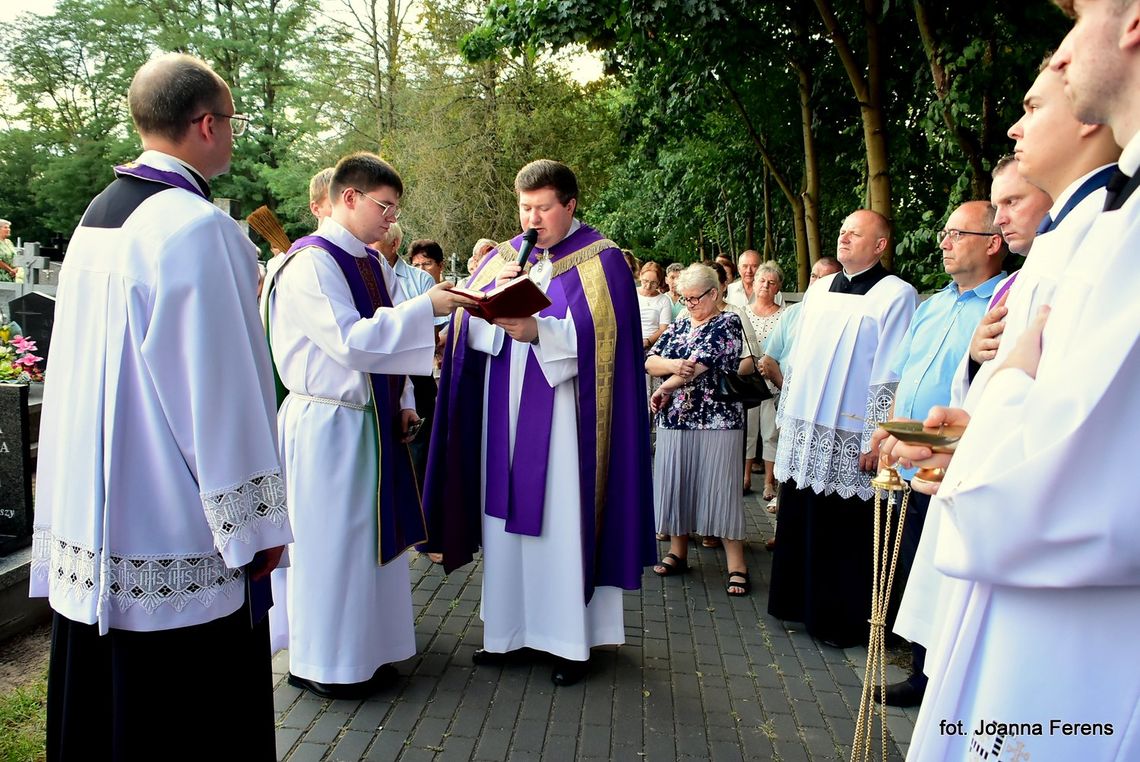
point(18, 362)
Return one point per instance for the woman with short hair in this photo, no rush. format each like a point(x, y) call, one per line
point(697, 478)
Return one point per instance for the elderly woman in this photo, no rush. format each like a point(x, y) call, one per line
point(7, 253)
point(696, 477)
point(764, 314)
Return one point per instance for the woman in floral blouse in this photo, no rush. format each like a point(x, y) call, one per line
point(697, 480)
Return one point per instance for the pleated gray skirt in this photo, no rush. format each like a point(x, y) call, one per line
point(698, 482)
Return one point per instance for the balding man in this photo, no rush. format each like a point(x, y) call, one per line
point(841, 385)
point(160, 506)
point(938, 338)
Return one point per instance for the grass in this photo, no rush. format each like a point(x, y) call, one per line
point(23, 719)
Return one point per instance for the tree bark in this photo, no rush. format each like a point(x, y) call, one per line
point(868, 91)
point(968, 142)
point(794, 200)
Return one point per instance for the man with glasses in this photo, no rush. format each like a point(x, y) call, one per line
point(938, 337)
point(160, 507)
point(547, 415)
point(839, 387)
point(344, 336)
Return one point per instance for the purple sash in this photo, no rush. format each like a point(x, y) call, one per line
point(400, 521)
point(155, 175)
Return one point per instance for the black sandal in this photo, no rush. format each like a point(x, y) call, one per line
point(746, 585)
point(679, 566)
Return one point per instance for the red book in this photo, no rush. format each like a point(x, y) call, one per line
point(514, 299)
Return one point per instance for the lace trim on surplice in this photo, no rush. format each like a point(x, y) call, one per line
point(237, 510)
point(880, 400)
point(147, 581)
point(824, 459)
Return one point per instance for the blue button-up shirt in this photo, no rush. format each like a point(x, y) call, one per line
point(937, 340)
point(415, 281)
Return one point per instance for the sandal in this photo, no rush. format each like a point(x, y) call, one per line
point(662, 537)
point(746, 585)
point(773, 506)
point(710, 542)
point(679, 566)
point(769, 492)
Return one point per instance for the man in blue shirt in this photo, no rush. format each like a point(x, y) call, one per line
point(938, 337)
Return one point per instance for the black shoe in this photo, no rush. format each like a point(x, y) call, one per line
point(483, 656)
point(381, 678)
point(568, 672)
point(902, 694)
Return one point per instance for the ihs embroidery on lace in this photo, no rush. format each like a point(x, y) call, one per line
point(152, 581)
point(826, 459)
point(233, 511)
point(148, 581)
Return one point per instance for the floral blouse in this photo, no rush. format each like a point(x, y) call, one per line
point(716, 345)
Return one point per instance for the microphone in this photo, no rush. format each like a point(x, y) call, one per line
point(529, 239)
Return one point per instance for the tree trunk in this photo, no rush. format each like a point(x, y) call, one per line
point(769, 241)
point(728, 222)
point(968, 142)
point(811, 159)
point(869, 94)
point(794, 200)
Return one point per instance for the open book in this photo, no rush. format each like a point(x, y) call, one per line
point(514, 299)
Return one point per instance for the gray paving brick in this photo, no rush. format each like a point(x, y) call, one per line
point(369, 716)
point(414, 754)
point(691, 740)
point(807, 714)
point(724, 752)
point(326, 728)
point(529, 735)
point(594, 741)
point(286, 738)
point(307, 752)
point(792, 751)
point(351, 746)
point(457, 749)
point(387, 746)
point(303, 712)
point(429, 732)
point(493, 744)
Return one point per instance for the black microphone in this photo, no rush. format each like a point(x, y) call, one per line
point(529, 239)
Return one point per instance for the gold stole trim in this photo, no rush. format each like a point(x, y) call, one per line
point(597, 291)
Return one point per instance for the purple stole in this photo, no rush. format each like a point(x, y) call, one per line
point(614, 480)
point(399, 517)
point(156, 175)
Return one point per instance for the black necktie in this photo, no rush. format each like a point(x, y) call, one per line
point(1116, 183)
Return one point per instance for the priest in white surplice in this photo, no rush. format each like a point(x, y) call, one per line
point(1037, 651)
point(343, 335)
point(160, 507)
point(839, 387)
point(541, 443)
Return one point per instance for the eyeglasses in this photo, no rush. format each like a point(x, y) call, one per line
point(650, 284)
point(956, 235)
point(238, 122)
point(693, 301)
point(386, 209)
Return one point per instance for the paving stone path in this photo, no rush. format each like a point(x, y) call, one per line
point(702, 676)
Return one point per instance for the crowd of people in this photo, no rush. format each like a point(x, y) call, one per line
point(193, 516)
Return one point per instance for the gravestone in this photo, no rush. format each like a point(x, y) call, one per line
point(15, 469)
point(35, 312)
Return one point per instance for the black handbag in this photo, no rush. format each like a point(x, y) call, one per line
point(748, 390)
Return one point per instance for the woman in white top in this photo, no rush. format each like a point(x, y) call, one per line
point(764, 314)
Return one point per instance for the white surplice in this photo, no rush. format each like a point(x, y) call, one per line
point(839, 384)
point(922, 608)
point(158, 470)
point(1039, 520)
point(346, 615)
point(533, 587)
